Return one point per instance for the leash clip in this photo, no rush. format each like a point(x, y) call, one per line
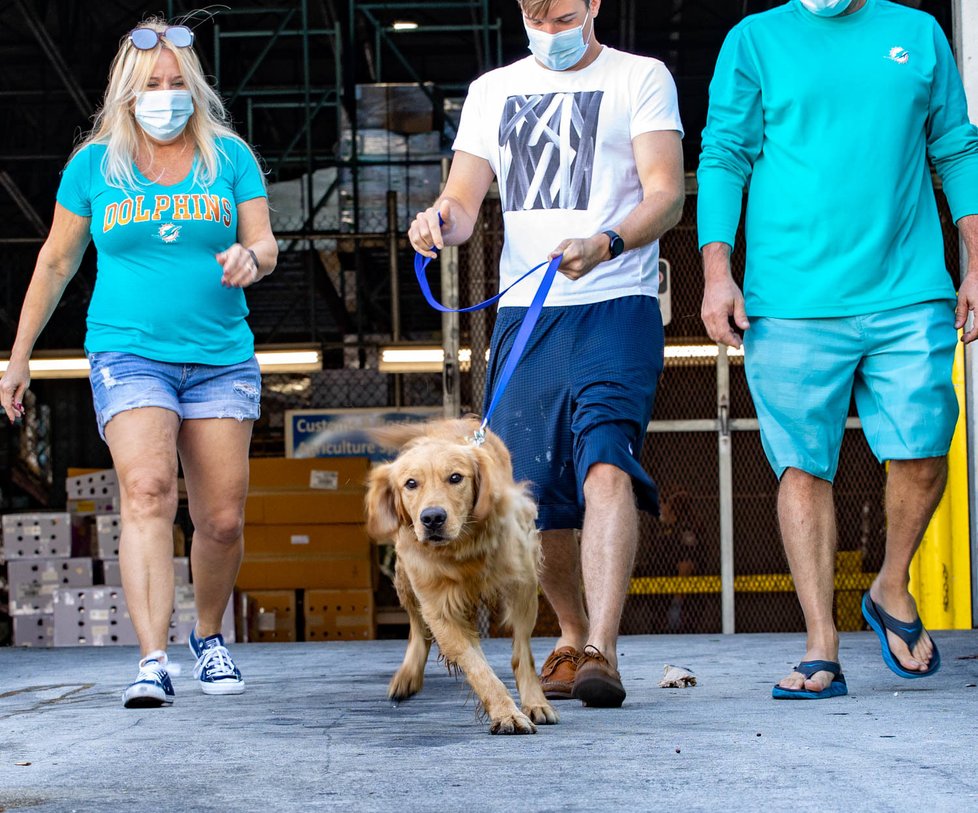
point(479, 436)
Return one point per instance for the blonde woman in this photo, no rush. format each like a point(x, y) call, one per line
point(176, 205)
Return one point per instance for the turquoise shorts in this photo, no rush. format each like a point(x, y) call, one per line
point(896, 363)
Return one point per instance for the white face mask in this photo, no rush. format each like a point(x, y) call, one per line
point(562, 50)
point(826, 8)
point(164, 113)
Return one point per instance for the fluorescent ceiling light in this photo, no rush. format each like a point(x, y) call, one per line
point(272, 359)
point(430, 358)
point(404, 25)
point(420, 359)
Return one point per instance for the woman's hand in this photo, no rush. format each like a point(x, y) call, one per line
point(239, 265)
point(13, 385)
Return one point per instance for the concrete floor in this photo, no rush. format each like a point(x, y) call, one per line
point(314, 731)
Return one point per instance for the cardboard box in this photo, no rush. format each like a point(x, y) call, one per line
point(269, 615)
point(268, 507)
point(331, 573)
point(92, 616)
point(112, 576)
point(306, 541)
point(185, 616)
point(108, 528)
point(46, 535)
point(296, 473)
point(34, 630)
point(339, 615)
point(93, 507)
point(32, 582)
point(97, 485)
point(404, 107)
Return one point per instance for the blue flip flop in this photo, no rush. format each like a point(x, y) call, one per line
point(836, 688)
point(907, 631)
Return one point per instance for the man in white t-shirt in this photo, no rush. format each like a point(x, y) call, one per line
point(586, 144)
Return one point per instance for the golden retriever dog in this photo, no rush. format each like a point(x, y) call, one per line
point(464, 532)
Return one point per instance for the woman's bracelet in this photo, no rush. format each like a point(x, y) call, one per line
point(254, 259)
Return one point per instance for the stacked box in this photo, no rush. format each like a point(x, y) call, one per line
point(93, 493)
point(108, 529)
point(32, 582)
point(185, 616)
point(34, 630)
point(270, 615)
point(112, 576)
point(403, 107)
point(304, 531)
point(339, 615)
point(46, 535)
point(92, 616)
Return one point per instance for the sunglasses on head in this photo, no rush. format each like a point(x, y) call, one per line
point(145, 39)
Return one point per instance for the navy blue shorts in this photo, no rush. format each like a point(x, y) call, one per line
point(582, 394)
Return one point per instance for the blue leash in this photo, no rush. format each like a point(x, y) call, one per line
point(522, 335)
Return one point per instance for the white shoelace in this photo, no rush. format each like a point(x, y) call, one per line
point(215, 663)
point(154, 663)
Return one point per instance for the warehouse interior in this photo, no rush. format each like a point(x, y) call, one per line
point(352, 107)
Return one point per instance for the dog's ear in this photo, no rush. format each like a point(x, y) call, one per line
point(382, 504)
point(484, 475)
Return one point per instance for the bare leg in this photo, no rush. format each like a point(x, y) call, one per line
point(913, 490)
point(560, 578)
point(143, 443)
point(608, 543)
point(807, 517)
point(214, 453)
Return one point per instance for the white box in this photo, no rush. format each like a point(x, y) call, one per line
point(92, 616)
point(108, 528)
point(34, 630)
point(33, 582)
point(37, 535)
point(112, 576)
point(93, 486)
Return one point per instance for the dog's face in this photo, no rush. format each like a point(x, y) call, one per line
point(437, 486)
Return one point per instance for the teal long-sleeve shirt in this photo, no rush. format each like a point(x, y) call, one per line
point(829, 122)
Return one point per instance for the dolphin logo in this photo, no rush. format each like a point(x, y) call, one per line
point(899, 54)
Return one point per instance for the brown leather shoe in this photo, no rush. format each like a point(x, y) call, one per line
point(597, 683)
point(557, 674)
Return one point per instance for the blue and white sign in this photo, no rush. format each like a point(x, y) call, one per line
point(343, 432)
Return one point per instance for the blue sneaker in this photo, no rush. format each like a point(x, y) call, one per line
point(152, 687)
point(214, 668)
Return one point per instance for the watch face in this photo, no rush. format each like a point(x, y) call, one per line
point(617, 245)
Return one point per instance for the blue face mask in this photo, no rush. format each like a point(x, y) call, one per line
point(164, 113)
point(560, 51)
point(826, 8)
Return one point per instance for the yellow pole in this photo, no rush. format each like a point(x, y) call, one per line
point(940, 573)
point(958, 488)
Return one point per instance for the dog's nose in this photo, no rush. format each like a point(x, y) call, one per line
point(433, 518)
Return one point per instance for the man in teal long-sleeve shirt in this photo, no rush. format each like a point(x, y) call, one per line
point(828, 111)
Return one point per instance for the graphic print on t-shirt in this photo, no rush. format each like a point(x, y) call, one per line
point(547, 145)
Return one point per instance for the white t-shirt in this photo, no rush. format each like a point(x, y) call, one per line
point(561, 149)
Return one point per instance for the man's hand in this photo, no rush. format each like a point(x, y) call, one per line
point(581, 255)
point(722, 299)
point(428, 228)
point(967, 305)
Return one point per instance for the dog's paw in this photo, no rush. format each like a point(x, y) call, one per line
point(544, 714)
point(515, 723)
point(404, 684)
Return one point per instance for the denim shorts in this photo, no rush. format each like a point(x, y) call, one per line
point(896, 364)
point(123, 381)
point(581, 394)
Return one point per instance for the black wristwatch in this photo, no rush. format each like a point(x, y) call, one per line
point(616, 244)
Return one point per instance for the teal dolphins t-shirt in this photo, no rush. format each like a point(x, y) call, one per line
point(158, 291)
